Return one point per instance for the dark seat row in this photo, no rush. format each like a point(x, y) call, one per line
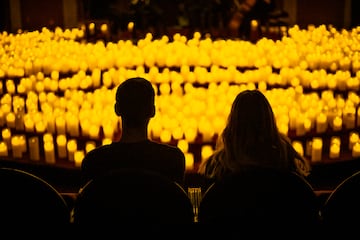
point(127, 199)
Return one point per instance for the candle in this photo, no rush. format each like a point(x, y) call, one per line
point(6, 136)
point(78, 157)
point(298, 147)
point(316, 149)
point(337, 123)
point(356, 150)
point(71, 147)
point(353, 138)
point(90, 145)
point(47, 137)
point(10, 120)
point(34, 148)
point(40, 126)
point(189, 161)
point(190, 134)
point(15, 146)
point(300, 127)
point(61, 146)
point(29, 123)
point(165, 136)
point(60, 125)
point(321, 123)
point(94, 131)
point(106, 141)
point(334, 150)
point(49, 152)
point(23, 144)
point(2, 118)
point(183, 145)
point(3, 149)
point(206, 151)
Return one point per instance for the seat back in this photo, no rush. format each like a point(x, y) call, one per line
point(132, 197)
point(341, 209)
point(260, 199)
point(28, 200)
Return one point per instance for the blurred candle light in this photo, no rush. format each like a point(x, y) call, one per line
point(15, 146)
point(90, 145)
point(334, 147)
point(61, 146)
point(321, 123)
point(60, 124)
point(3, 149)
point(356, 150)
point(34, 148)
point(6, 136)
point(353, 138)
point(49, 152)
point(206, 151)
point(78, 157)
point(71, 148)
point(183, 145)
point(189, 161)
point(316, 149)
point(337, 123)
point(10, 120)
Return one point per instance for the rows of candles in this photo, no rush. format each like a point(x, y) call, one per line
point(56, 90)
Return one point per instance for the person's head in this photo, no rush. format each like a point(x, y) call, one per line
point(251, 135)
point(135, 101)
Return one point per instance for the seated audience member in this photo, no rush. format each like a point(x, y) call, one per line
point(135, 105)
point(251, 139)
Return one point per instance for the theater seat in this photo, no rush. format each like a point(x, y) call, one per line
point(27, 201)
point(260, 201)
point(131, 199)
point(341, 210)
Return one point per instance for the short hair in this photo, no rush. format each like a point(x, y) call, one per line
point(135, 100)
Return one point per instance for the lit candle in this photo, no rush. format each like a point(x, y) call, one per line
point(334, 150)
point(190, 134)
point(78, 157)
point(353, 138)
point(106, 141)
point(356, 150)
point(165, 136)
point(298, 147)
point(337, 123)
point(206, 152)
point(349, 117)
point(183, 145)
point(300, 127)
point(49, 152)
point(6, 136)
point(29, 123)
point(189, 161)
point(15, 146)
point(34, 148)
point(90, 145)
point(2, 118)
point(316, 149)
point(321, 123)
point(10, 120)
point(40, 126)
point(3, 149)
point(94, 131)
point(60, 125)
point(61, 145)
point(71, 147)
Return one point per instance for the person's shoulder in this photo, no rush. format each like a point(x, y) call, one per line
point(166, 147)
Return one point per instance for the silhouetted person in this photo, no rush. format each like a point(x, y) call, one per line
point(251, 140)
point(135, 104)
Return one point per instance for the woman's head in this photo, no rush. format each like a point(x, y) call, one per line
point(251, 135)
